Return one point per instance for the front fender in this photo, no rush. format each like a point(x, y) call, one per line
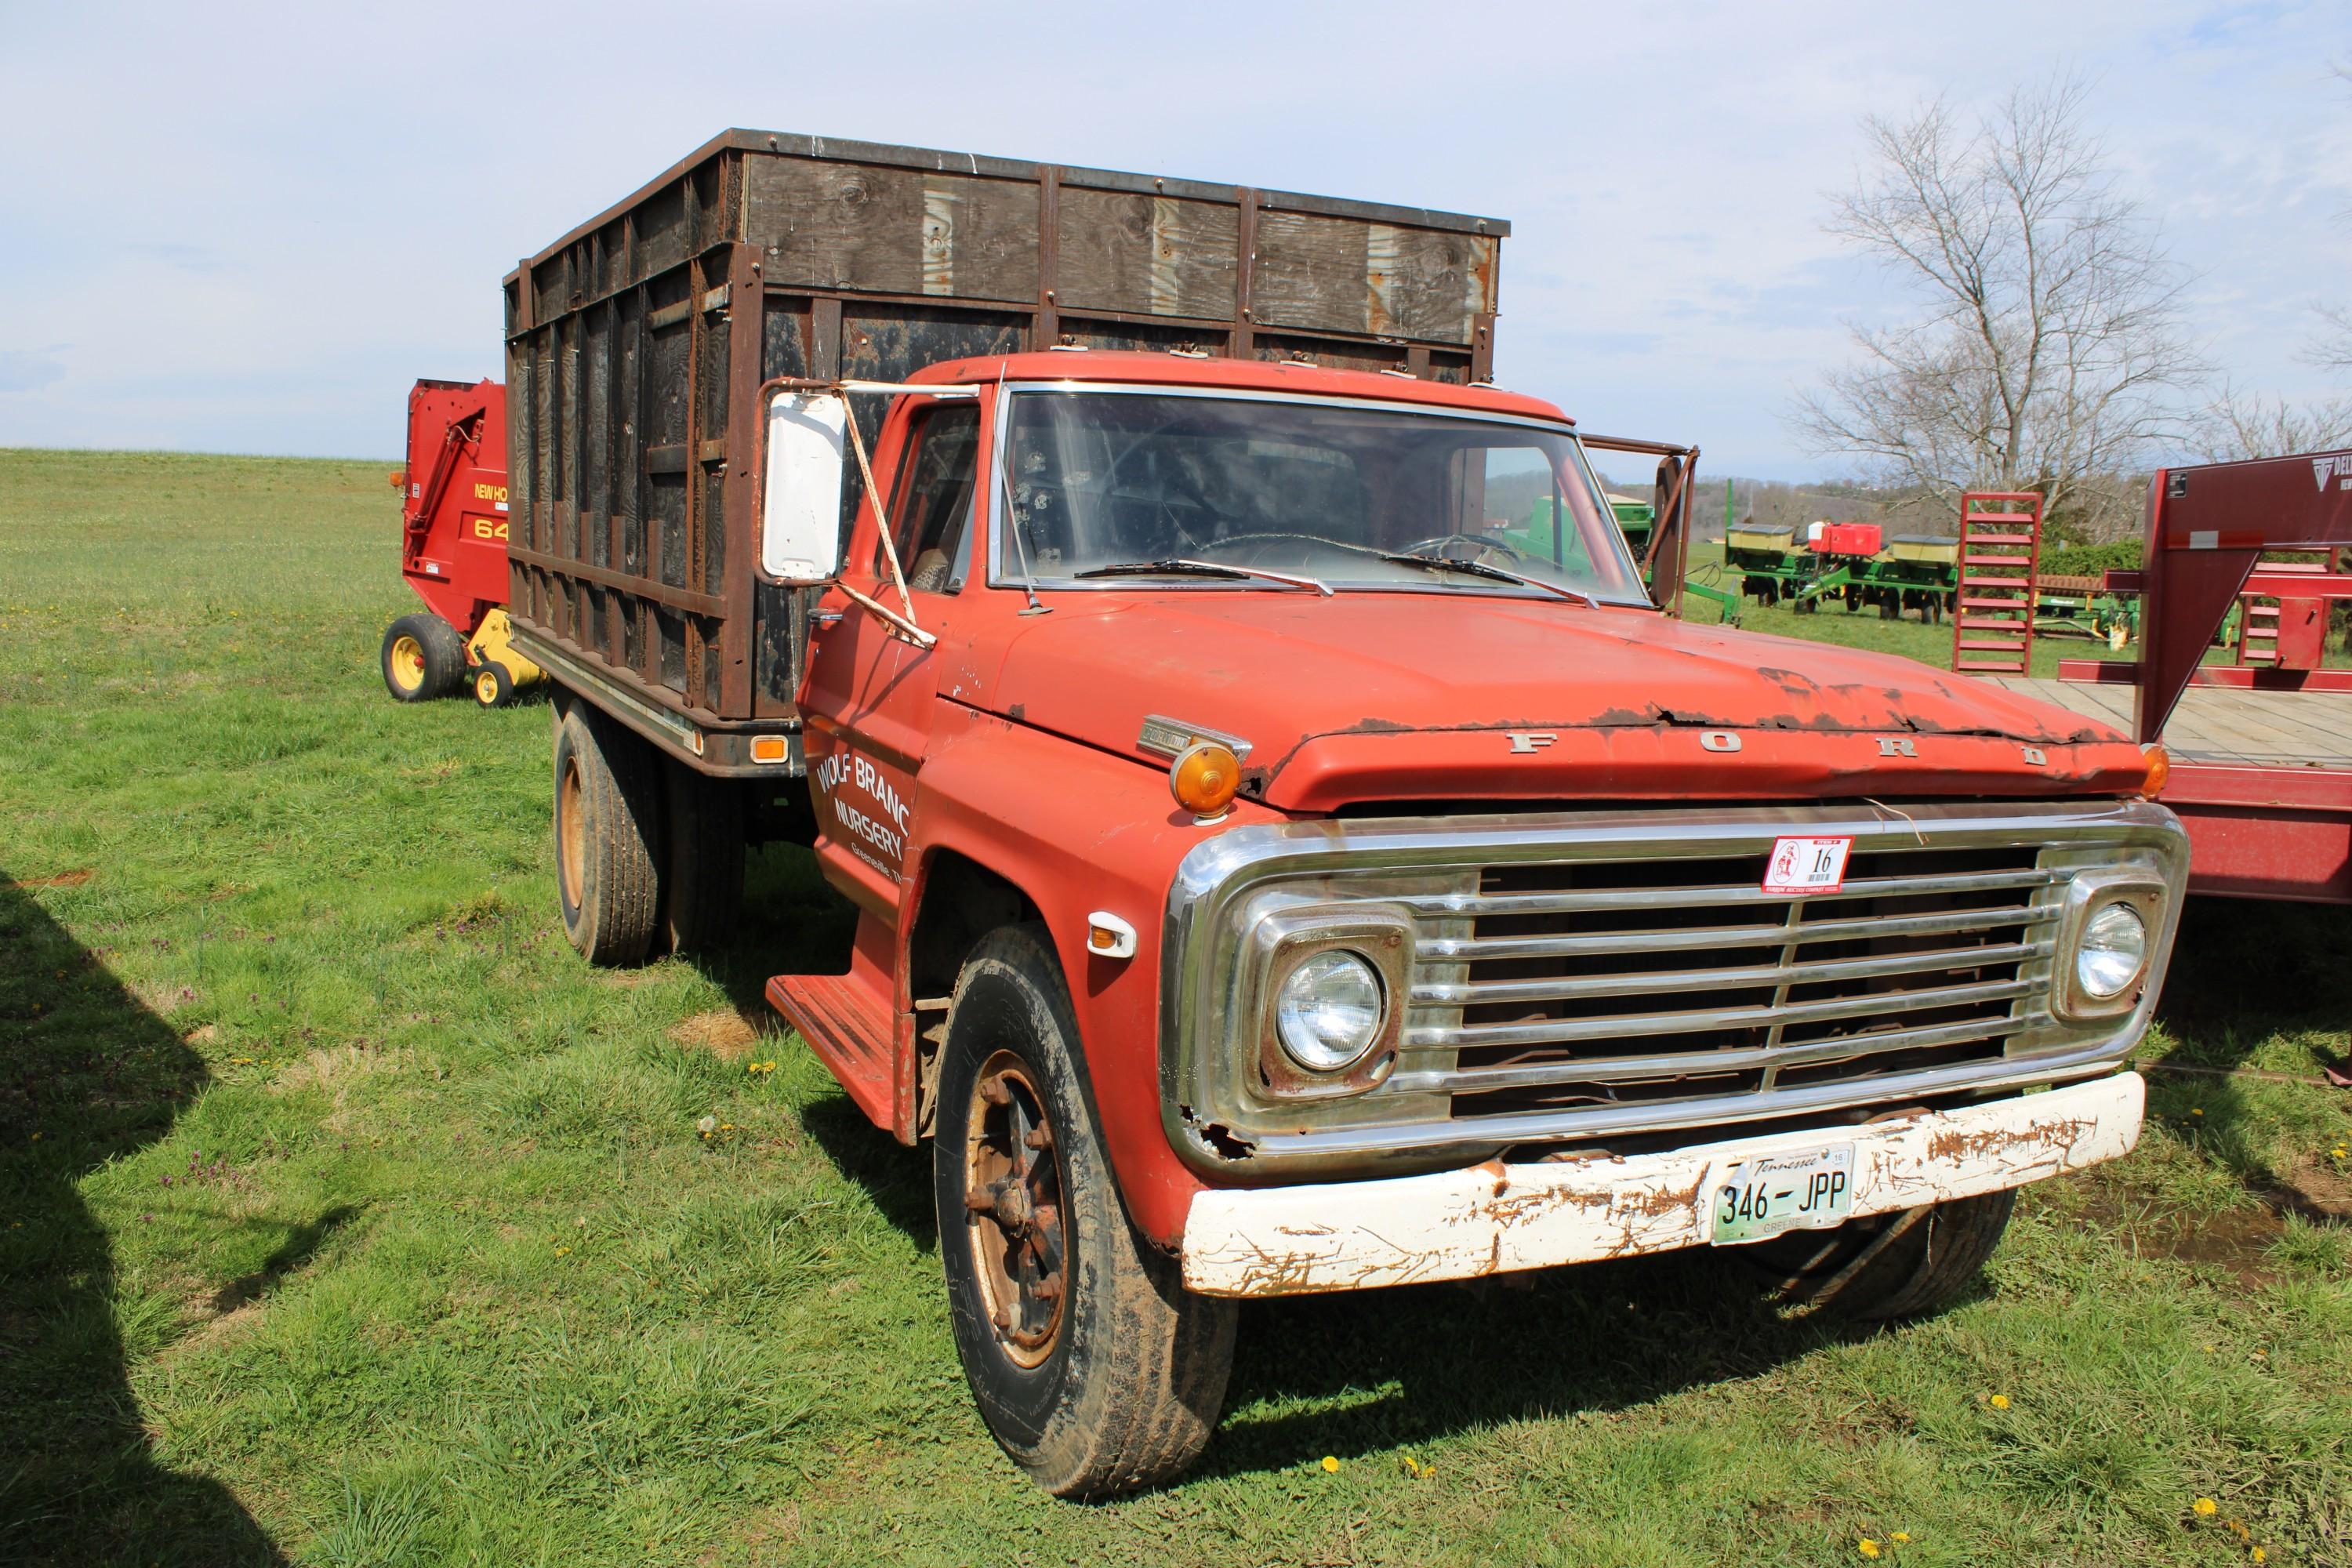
point(1078, 830)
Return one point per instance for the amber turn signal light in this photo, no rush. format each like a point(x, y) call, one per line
point(1206, 777)
point(2159, 768)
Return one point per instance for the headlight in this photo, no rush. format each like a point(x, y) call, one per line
point(2112, 952)
point(1328, 1013)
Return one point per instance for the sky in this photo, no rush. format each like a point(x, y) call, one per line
point(249, 228)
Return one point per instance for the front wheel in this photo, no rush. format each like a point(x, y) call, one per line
point(1901, 1265)
point(1095, 1369)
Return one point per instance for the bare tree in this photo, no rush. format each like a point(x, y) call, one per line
point(2050, 344)
point(2237, 426)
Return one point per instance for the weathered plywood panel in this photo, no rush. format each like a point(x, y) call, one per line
point(1312, 272)
point(836, 225)
point(1147, 255)
point(1427, 284)
point(979, 238)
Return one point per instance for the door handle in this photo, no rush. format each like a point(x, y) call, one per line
point(820, 619)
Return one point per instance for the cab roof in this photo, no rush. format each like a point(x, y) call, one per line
point(1078, 366)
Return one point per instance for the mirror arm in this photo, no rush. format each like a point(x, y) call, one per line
point(881, 523)
point(890, 617)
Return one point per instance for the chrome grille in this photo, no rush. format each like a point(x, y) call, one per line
point(1596, 973)
point(1595, 983)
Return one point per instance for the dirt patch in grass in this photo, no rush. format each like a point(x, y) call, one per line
point(723, 1032)
point(2237, 1240)
point(2317, 1191)
point(62, 879)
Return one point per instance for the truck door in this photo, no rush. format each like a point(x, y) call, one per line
point(866, 701)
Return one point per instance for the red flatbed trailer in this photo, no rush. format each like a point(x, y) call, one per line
point(2262, 757)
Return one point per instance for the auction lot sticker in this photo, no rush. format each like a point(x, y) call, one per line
point(1800, 866)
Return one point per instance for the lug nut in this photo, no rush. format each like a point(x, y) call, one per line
point(1039, 1138)
point(995, 1092)
point(1049, 1288)
point(1004, 1321)
point(978, 1200)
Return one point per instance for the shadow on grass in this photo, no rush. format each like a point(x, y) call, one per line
point(2245, 972)
point(299, 1248)
point(91, 1075)
point(1357, 1373)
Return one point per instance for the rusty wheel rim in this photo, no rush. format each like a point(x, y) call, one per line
point(1013, 1197)
point(568, 850)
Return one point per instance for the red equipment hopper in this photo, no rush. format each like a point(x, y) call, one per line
point(453, 549)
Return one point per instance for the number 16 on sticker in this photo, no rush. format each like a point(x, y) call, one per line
point(1800, 866)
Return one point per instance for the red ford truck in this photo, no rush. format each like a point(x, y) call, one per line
point(1275, 870)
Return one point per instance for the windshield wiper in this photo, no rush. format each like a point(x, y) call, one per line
point(1480, 569)
point(1185, 567)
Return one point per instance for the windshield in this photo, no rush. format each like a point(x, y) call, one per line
point(1101, 479)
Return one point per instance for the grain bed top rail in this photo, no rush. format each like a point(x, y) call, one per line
point(835, 149)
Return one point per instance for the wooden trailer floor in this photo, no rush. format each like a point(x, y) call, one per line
point(2218, 724)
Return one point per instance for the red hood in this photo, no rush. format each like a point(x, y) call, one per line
point(1370, 696)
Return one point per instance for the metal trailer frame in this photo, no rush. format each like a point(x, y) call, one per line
point(637, 343)
point(2254, 831)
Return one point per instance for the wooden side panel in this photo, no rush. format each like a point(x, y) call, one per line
point(1426, 283)
point(836, 225)
point(1312, 272)
point(1145, 255)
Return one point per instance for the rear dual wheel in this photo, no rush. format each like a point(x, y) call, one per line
point(1095, 1369)
point(648, 853)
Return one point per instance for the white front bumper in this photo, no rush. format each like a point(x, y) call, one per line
point(1493, 1218)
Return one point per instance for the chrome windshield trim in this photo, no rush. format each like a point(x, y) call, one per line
point(1217, 1126)
point(1000, 489)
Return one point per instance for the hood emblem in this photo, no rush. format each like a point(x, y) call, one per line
point(1173, 737)
point(1525, 741)
point(1897, 746)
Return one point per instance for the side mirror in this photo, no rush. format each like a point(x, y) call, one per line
point(800, 517)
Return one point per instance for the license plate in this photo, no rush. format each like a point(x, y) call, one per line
point(1811, 1189)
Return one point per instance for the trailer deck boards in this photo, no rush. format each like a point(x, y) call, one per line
point(2220, 726)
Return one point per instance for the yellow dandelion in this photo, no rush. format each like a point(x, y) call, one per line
point(2260, 1555)
point(2203, 1508)
point(1330, 1466)
point(561, 1250)
point(2196, 1110)
point(1868, 1547)
point(1900, 1538)
point(1999, 1402)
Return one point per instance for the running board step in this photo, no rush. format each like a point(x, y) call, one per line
point(849, 1028)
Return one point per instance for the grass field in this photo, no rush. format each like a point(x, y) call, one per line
point(346, 1218)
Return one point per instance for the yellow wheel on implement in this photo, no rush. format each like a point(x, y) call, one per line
point(423, 658)
point(493, 686)
point(406, 662)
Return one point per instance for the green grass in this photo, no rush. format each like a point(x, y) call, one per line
point(346, 1218)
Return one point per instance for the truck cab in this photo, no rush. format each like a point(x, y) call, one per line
point(1280, 868)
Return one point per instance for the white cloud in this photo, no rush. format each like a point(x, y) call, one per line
point(261, 224)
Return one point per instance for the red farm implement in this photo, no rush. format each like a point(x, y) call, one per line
point(2260, 748)
point(453, 549)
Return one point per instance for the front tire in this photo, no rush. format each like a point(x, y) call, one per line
point(1095, 1369)
point(1902, 1265)
point(607, 837)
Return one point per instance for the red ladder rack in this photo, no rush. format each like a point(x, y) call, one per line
point(2001, 543)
